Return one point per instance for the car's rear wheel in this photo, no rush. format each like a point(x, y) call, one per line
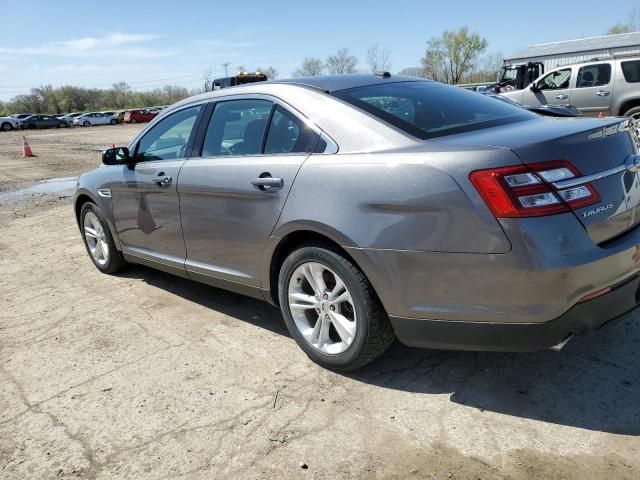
point(113, 121)
point(62, 125)
point(6, 126)
point(133, 120)
point(98, 240)
point(86, 123)
point(331, 309)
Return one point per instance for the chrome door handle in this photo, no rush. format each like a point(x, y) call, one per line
point(266, 183)
point(602, 93)
point(561, 96)
point(162, 180)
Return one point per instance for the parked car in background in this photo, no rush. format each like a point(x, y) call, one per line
point(140, 115)
point(545, 110)
point(608, 87)
point(69, 117)
point(94, 118)
point(42, 121)
point(8, 123)
point(119, 115)
point(370, 207)
point(20, 116)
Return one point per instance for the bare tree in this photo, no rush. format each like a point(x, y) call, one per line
point(122, 90)
point(631, 25)
point(378, 58)
point(413, 72)
point(207, 78)
point(342, 62)
point(270, 72)
point(310, 67)
point(450, 57)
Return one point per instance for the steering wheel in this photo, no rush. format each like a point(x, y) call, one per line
point(551, 84)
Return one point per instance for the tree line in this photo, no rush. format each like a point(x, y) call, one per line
point(68, 98)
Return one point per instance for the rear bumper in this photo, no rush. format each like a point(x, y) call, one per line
point(460, 335)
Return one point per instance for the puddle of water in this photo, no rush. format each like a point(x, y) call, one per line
point(63, 186)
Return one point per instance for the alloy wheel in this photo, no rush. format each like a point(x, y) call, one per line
point(322, 308)
point(95, 236)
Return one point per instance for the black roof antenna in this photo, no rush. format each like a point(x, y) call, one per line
point(382, 74)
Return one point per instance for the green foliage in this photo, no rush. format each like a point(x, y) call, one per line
point(65, 99)
point(450, 57)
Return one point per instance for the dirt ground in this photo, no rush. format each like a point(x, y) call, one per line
point(145, 376)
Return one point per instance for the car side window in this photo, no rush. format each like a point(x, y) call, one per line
point(631, 71)
point(168, 139)
point(288, 134)
point(556, 80)
point(237, 127)
point(594, 76)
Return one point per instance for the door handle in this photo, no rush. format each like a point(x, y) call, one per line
point(162, 180)
point(267, 183)
point(602, 93)
point(561, 96)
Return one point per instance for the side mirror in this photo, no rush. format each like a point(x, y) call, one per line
point(116, 156)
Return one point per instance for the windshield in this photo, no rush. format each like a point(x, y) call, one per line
point(430, 109)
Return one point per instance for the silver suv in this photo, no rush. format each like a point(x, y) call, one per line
point(599, 87)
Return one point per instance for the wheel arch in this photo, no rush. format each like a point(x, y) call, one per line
point(83, 197)
point(279, 248)
point(627, 105)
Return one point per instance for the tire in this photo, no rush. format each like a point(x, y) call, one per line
point(31, 126)
point(363, 311)
point(6, 126)
point(62, 125)
point(86, 123)
point(95, 232)
point(133, 120)
point(113, 121)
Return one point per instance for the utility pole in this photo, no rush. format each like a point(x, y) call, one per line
point(226, 68)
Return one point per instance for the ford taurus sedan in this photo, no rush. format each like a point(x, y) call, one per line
point(373, 207)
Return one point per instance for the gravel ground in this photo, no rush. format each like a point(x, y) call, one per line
point(144, 375)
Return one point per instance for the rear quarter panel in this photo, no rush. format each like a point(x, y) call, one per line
point(391, 201)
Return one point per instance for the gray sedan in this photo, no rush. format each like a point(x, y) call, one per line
point(374, 207)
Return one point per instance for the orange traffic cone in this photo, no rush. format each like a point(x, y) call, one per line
point(26, 149)
point(601, 115)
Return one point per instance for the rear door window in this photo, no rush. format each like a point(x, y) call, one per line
point(237, 127)
point(288, 134)
point(594, 76)
point(631, 71)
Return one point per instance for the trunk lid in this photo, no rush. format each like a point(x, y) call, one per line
point(604, 150)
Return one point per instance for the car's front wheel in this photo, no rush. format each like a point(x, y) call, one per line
point(98, 240)
point(331, 309)
point(86, 123)
point(62, 125)
point(6, 126)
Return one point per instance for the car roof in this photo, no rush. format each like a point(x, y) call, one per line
point(334, 83)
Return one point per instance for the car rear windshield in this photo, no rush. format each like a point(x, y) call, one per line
point(431, 109)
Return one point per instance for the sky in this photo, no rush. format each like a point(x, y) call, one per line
point(153, 43)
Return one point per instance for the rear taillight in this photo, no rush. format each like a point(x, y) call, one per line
point(528, 190)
